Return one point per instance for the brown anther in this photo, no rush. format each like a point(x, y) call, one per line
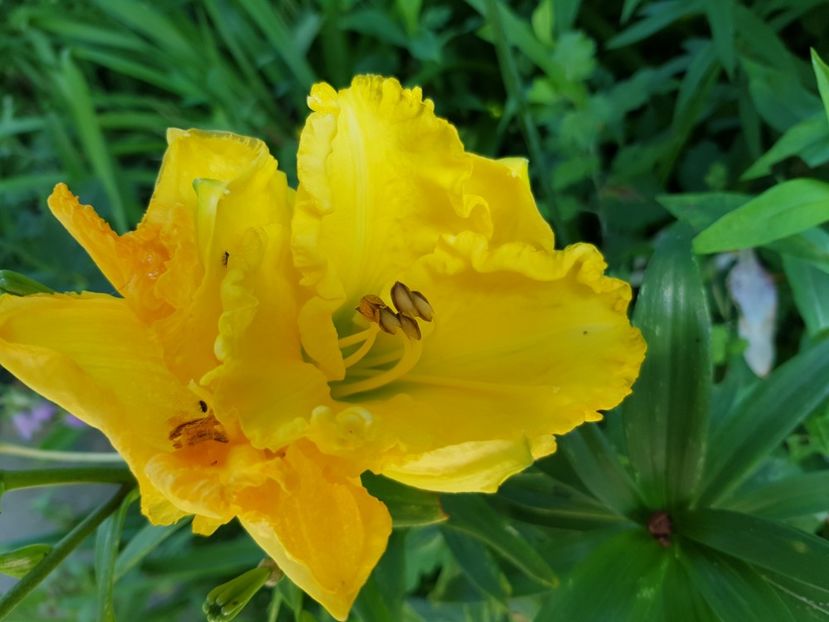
point(424, 309)
point(197, 431)
point(401, 296)
point(409, 326)
point(370, 306)
point(388, 321)
point(661, 527)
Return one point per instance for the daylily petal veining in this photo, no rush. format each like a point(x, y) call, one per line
point(402, 312)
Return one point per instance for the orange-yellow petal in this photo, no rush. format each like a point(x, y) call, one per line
point(322, 527)
point(90, 354)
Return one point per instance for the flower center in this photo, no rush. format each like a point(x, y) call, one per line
point(367, 373)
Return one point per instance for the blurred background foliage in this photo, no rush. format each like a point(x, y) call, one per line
point(646, 123)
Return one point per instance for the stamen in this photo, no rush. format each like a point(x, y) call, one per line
point(411, 354)
point(410, 327)
point(424, 309)
point(197, 431)
point(356, 338)
point(356, 356)
point(401, 296)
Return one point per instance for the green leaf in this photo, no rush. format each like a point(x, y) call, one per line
point(472, 515)
point(761, 542)
point(785, 209)
point(807, 602)
point(598, 467)
point(381, 598)
point(764, 418)
point(733, 590)
point(19, 562)
point(267, 18)
point(620, 580)
point(721, 21)
point(542, 500)
point(478, 565)
point(790, 497)
point(408, 506)
point(810, 288)
point(666, 418)
point(811, 245)
point(701, 210)
point(142, 544)
point(74, 88)
point(822, 75)
point(656, 16)
point(107, 541)
point(18, 284)
point(809, 140)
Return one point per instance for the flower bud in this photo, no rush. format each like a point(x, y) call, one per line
point(226, 601)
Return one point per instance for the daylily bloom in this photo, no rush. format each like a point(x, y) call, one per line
point(402, 312)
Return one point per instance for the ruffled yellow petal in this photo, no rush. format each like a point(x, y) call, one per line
point(479, 466)
point(89, 354)
point(381, 178)
point(225, 184)
point(263, 382)
point(504, 187)
point(322, 528)
point(524, 344)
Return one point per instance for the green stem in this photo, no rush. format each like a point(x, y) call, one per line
point(512, 83)
point(59, 552)
point(11, 480)
point(59, 456)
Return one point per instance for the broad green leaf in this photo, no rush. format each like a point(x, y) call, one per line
point(822, 75)
point(701, 210)
point(764, 418)
point(809, 140)
point(811, 245)
point(142, 544)
point(18, 284)
point(720, 15)
point(539, 499)
point(381, 598)
point(620, 580)
point(598, 466)
point(810, 288)
point(734, 591)
point(807, 602)
point(791, 497)
point(778, 94)
point(408, 506)
point(478, 564)
point(666, 418)
point(628, 9)
point(761, 542)
point(107, 541)
point(472, 515)
point(787, 208)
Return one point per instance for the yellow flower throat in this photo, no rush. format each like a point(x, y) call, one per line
point(367, 373)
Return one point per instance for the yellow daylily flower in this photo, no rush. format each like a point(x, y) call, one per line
point(402, 312)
